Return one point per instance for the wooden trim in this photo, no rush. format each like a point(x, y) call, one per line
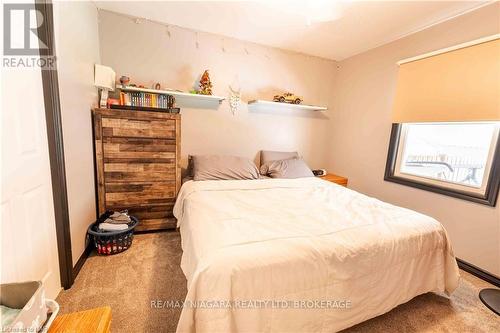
point(178, 155)
point(96, 179)
point(101, 195)
point(392, 154)
point(489, 198)
point(56, 146)
point(123, 113)
point(79, 264)
point(480, 273)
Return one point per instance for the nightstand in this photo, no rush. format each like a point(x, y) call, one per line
point(335, 179)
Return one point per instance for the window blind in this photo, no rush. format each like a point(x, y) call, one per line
point(461, 84)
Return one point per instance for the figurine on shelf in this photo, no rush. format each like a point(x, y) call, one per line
point(124, 80)
point(205, 84)
point(288, 98)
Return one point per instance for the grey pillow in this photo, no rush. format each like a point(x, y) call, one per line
point(214, 167)
point(267, 156)
point(290, 168)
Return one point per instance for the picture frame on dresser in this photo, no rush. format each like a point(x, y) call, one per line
point(137, 164)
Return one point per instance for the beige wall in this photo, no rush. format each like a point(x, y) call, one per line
point(147, 54)
point(77, 49)
point(360, 125)
point(351, 138)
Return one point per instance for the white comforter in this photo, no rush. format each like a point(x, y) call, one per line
point(302, 255)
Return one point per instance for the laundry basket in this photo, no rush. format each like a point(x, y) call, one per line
point(25, 308)
point(112, 242)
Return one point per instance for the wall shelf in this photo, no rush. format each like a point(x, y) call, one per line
point(179, 96)
point(269, 104)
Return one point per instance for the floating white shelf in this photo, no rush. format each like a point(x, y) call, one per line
point(269, 104)
point(176, 94)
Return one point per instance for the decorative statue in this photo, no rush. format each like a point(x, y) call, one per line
point(205, 84)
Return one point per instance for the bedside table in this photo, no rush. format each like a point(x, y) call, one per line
point(335, 179)
point(96, 320)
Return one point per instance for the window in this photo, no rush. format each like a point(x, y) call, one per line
point(456, 159)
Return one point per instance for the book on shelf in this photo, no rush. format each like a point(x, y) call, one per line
point(150, 100)
point(144, 108)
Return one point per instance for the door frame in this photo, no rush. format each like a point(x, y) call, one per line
point(53, 120)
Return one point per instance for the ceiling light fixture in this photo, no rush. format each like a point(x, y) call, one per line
point(312, 11)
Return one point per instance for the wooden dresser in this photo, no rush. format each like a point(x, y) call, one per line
point(137, 155)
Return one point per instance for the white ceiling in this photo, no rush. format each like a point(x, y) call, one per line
point(329, 29)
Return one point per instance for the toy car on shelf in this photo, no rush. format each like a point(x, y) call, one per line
point(288, 98)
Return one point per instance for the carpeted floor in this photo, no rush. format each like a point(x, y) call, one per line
point(150, 270)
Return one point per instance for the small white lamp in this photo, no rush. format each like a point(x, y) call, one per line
point(104, 79)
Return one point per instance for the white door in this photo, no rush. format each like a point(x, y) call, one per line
point(28, 234)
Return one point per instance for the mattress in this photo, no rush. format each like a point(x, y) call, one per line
point(301, 255)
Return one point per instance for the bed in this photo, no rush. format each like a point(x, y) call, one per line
point(301, 255)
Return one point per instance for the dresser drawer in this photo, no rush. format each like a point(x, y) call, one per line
point(156, 224)
point(138, 172)
point(149, 211)
point(138, 150)
point(137, 194)
point(138, 128)
point(151, 216)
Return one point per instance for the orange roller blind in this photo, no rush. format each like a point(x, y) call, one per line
point(458, 85)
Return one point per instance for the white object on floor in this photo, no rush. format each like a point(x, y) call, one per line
point(335, 256)
point(29, 300)
point(54, 308)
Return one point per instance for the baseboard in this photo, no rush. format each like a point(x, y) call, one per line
point(82, 259)
point(480, 273)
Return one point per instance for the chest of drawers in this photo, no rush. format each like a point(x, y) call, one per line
point(137, 156)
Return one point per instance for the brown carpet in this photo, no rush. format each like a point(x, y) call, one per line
point(150, 270)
